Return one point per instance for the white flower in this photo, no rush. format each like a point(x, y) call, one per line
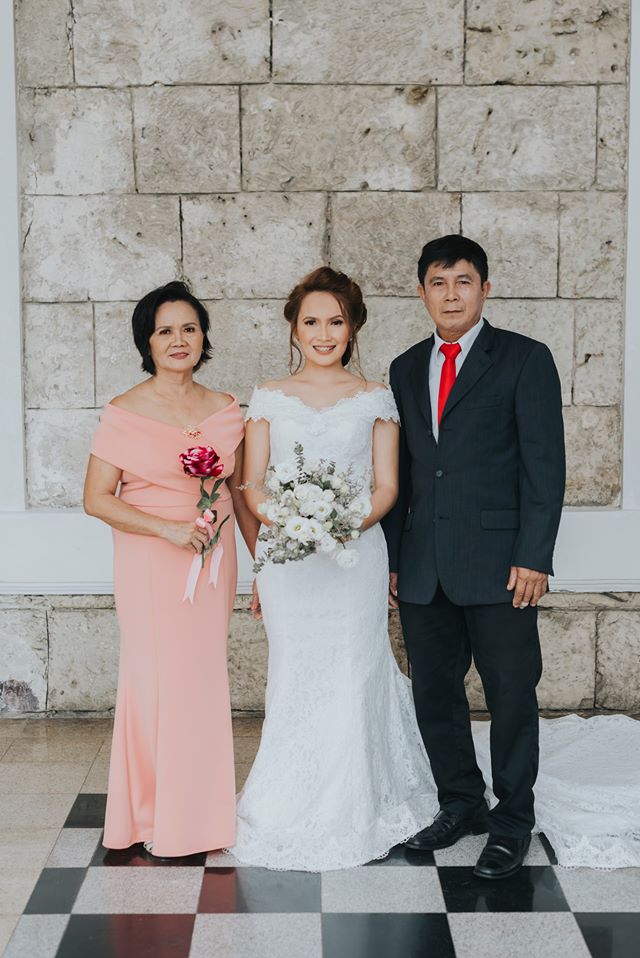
point(273, 483)
point(347, 558)
point(322, 510)
point(306, 490)
point(298, 528)
point(276, 513)
point(360, 507)
point(285, 471)
point(270, 511)
point(315, 530)
point(335, 481)
point(328, 525)
point(327, 544)
point(355, 534)
point(327, 495)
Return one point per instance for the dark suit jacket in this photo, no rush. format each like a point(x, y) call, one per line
point(488, 494)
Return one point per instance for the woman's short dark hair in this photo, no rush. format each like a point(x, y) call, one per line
point(449, 250)
point(143, 321)
point(349, 296)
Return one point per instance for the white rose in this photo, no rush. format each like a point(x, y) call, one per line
point(286, 471)
point(360, 507)
point(277, 514)
point(355, 534)
point(271, 511)
point(327, 544)
point(327, 495)
point(308, 507)
point(304, 490)
point(322, 510)
point(347, 558)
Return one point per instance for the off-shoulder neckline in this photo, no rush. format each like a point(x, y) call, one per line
point(170, 425)
point(339, 402)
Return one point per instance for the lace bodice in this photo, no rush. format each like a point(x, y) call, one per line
point(342, 432)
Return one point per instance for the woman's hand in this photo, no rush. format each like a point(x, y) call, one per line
point(185, 535)
point(256, 609)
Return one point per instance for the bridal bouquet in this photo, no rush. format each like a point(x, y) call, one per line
point(312, 508)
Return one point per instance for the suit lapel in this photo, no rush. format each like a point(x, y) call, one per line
point(420, 380)
point(475, 365)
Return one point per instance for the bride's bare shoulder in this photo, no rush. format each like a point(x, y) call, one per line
point(372, 386)
point(274, 384)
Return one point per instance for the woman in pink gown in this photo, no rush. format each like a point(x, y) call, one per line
point(171, 779)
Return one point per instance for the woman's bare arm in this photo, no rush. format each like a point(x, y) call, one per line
point(247, 522)
point(100, 500)
point(386, 444)
point(256, 460)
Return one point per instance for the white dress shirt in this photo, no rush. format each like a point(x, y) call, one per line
point(436, 362)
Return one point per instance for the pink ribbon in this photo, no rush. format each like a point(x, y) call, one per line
point(195, 568)
point(214, 566)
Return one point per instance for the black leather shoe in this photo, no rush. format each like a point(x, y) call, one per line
point(449, 827)
point(502, 857)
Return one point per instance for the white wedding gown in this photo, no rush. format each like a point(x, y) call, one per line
point(341, 775)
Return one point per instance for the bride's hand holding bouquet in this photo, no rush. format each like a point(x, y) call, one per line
point(311, 508)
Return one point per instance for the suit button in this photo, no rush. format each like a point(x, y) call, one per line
point(439, 473)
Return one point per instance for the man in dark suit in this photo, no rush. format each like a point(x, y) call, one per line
point(471, 541)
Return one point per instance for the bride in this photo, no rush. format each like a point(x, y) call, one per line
point(341, 775)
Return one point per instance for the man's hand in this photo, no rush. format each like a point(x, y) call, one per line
point(529, 586)
point(393, 590)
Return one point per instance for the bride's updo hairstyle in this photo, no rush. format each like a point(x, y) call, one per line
point(349, 296)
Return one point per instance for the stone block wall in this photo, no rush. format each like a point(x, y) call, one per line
point(61, 653)
point(240, 144)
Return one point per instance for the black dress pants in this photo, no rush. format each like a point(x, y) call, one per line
point(441, 639)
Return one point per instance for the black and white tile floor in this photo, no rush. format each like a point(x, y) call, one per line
point(91, 903)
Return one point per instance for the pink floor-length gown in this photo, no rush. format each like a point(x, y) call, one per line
point(171, 779)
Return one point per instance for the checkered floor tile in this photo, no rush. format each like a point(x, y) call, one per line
point(92, 902)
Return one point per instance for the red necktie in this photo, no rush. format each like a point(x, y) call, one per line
point(448, 374)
